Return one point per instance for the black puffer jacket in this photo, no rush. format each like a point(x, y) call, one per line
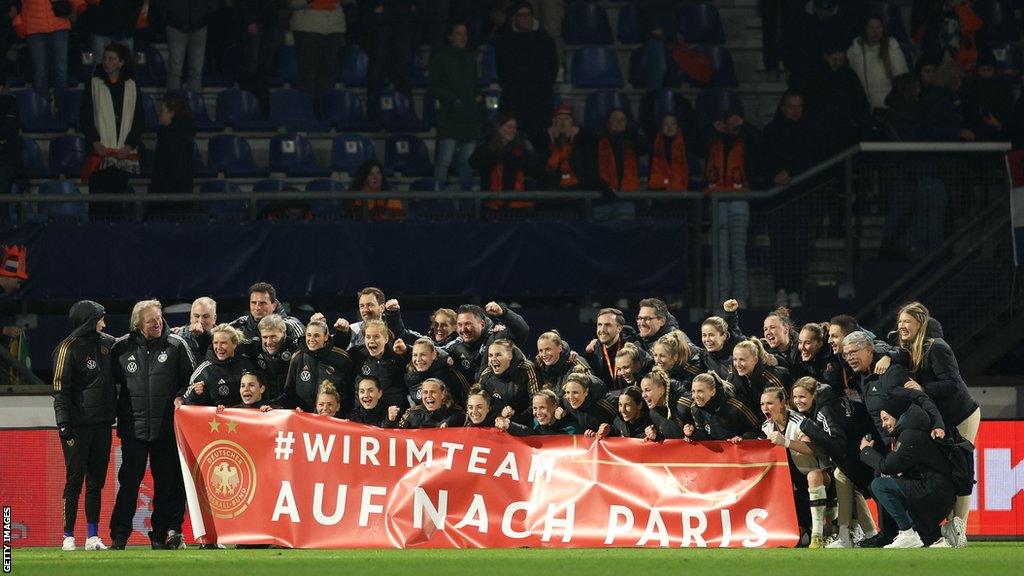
point(920, 467)
point(83, 382)
point(514, 387)
point(150, 374)
point(420, 417)
point(940, 377)
point(375, 416)
point(471, 357)
point(307, 370)
point(389, 370)
point(876, 389)
point(724, 417)
point(273, 367)
point(221, 380)
point(453, 379)
point(647, 342)
point(748, 389)
point(836, 424)
point(250, 326)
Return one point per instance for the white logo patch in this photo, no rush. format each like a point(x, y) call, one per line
point(132, 367)
point(365, 370)
point(90, 364)
point(286, 355)
point(162, 357)
point(305, 375)
point(223, 390)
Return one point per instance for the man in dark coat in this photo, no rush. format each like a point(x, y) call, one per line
point(915, 486)
point(84, 403)
point(791, 141)
point(151, 368)
point(527, 68)
point(835, 99)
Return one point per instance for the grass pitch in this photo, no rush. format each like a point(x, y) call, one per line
point(979, 559)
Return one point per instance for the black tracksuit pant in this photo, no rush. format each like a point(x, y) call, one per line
point(86, 456)
point(168, 488)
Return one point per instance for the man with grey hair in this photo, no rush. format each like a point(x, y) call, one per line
point(272, 353)
point(151, 368)
point(202, 319)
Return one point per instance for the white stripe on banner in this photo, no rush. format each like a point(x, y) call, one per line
point(195, 513)
point(1017, 222)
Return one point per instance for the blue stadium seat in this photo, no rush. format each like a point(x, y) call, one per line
point(69, 105)
point(601, 103)
point(1008, 59)
point(997, 15)
point(627, 26)
point(240, 110)
point(892, 18)
point(199, 112)
point(488, 65)
point(77, 211)
point(723, 72)
point(224, 209)
point(67, 152)
point(353, 68)
point(349, 151)
point(286, 68)
point(150, 68)
point(149, 111)
point(700, 23)
point(32, 163)
point(664, 102)
point(293, 154)
point(713, 102)
point(35, 112)
point(586, 23)
point(326, 209)
point(232, 156)
point(199, 167)
point(394, 112)
point(638, 70)
point(344, 110)
point(407, 155)
point(595, 67)
point(293, 110)
point(492, 101)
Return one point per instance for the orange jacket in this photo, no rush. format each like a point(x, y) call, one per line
point(37, 16)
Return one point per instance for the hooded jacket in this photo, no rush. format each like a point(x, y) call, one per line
point(724, 417)
point(454, 381)
point(308, 369)
point(250, 326)
point(919, 466)
point(173, 163)
point(514, 387)
point(150, 374)
point(940, 377)
point(790, 145)
point(220, 378)
point(602, 359)
point(835, 424)
point(748, 389)
point(83, 383)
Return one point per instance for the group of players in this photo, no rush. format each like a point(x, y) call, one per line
point(860, 417)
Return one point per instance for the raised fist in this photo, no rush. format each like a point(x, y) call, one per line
point(400, 348)
point(341, 324)
point(731, 305)
point(392, 305)
point(493, 309)
point(392, 413)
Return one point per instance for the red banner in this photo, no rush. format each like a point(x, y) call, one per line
point(300, 480)
point(997, 506)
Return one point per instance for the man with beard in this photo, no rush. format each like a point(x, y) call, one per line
point(263, 302)
point(470, 349)
point(371, 307)
point(612, 333)
point(653, 321)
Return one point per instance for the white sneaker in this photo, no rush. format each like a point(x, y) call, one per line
point(959, 532)
point(941, 543)
point(856, 533)
point(841, 541)
point(94, 543)
point(69, 544)
point(906, 539)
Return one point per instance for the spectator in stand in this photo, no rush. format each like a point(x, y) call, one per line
point(876, 59)
point(370, 178)
point(732, 157)
point(550, 13)
point(656, 23)
point(173, 161)
point(567, 144)
point(616, 156)
point(455, 82)
point(46, 24)
point(504, 160)
point(940, 121)
point(791, 141)
point(10, 139)
point(527, 68)
point(669, 167)
point(261, 36)
point(390, 26)
point(111, 139)
point(318, 27)
point(835, 99)
point(987, 102)
point(110, 21)
point(187, 24)
point(810, 32)
point(903, 108)
point(948, 33)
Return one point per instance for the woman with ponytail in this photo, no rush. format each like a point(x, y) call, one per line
point(717, 414)
point(668, 403)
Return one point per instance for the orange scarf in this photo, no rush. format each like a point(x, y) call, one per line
point(498, 184)
point(390, 209)
point(609, 172)
point(559, 160)
point(726, 173)
point(669, 176)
